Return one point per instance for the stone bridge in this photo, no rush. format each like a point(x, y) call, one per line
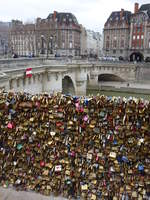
point(68, 76)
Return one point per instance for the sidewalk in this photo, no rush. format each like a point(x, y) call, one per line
point(10, 194)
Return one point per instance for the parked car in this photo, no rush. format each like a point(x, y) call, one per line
point(121, 58)
point(147, 59)
point(15, 55)
point(106, 58)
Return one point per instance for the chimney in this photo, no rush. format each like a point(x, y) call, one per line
point(38, 20)
point(121, 14)
point(136, 8)
point(54, 15)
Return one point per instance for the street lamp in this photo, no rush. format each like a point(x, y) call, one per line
point(51, 43)
point(42, 50)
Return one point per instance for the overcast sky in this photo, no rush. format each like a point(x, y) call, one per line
point(90, 13)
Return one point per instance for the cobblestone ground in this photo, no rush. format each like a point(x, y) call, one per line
point(10, 194)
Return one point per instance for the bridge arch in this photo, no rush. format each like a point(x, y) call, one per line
point(136, 56)
point(109, 78)
point(68, 85)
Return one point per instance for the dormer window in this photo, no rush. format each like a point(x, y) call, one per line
point(107, 37)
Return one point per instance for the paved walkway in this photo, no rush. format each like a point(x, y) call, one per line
point(10, 194)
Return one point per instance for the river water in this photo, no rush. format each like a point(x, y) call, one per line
point(121, 94)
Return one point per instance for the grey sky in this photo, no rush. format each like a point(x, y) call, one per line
point(90, 13)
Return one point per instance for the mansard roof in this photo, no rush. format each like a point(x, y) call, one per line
point(145, 8)
point(116, 16)
point(63, 17)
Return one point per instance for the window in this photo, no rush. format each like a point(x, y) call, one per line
point(142, 36)
point(107, 45)
point(142, 43)
point(114, 43)
point(70, 45)
point(122, 43)
point(70, 35)
point(133, 43)
point(133, 37)
point(138, 37)
point(63, 35)
point(114, 51)
point(63, 45)
point(138, 29)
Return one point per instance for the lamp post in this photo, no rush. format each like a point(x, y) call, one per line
point(3, 46)
point(42, 45)
point(51, 43)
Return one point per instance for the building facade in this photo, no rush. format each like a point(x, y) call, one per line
point(4, 38)
point(116, 34)
point(94, 46)
point(83, 41)
point(127, 35)
point(58, 34)
point(23, 38)
point(139, 44)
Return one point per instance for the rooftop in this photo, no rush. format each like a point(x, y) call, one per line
point(117, 16)
point(63, 17)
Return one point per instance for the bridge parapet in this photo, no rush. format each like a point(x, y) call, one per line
point(48, 75)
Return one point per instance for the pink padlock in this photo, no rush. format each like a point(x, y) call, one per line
point(81, 109)
point(77, 105)
point(10, 125)
point(85, 118)
point(37, 104)
point(73, 154)
point(97, 157)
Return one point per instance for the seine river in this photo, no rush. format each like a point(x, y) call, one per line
point(121, 94)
